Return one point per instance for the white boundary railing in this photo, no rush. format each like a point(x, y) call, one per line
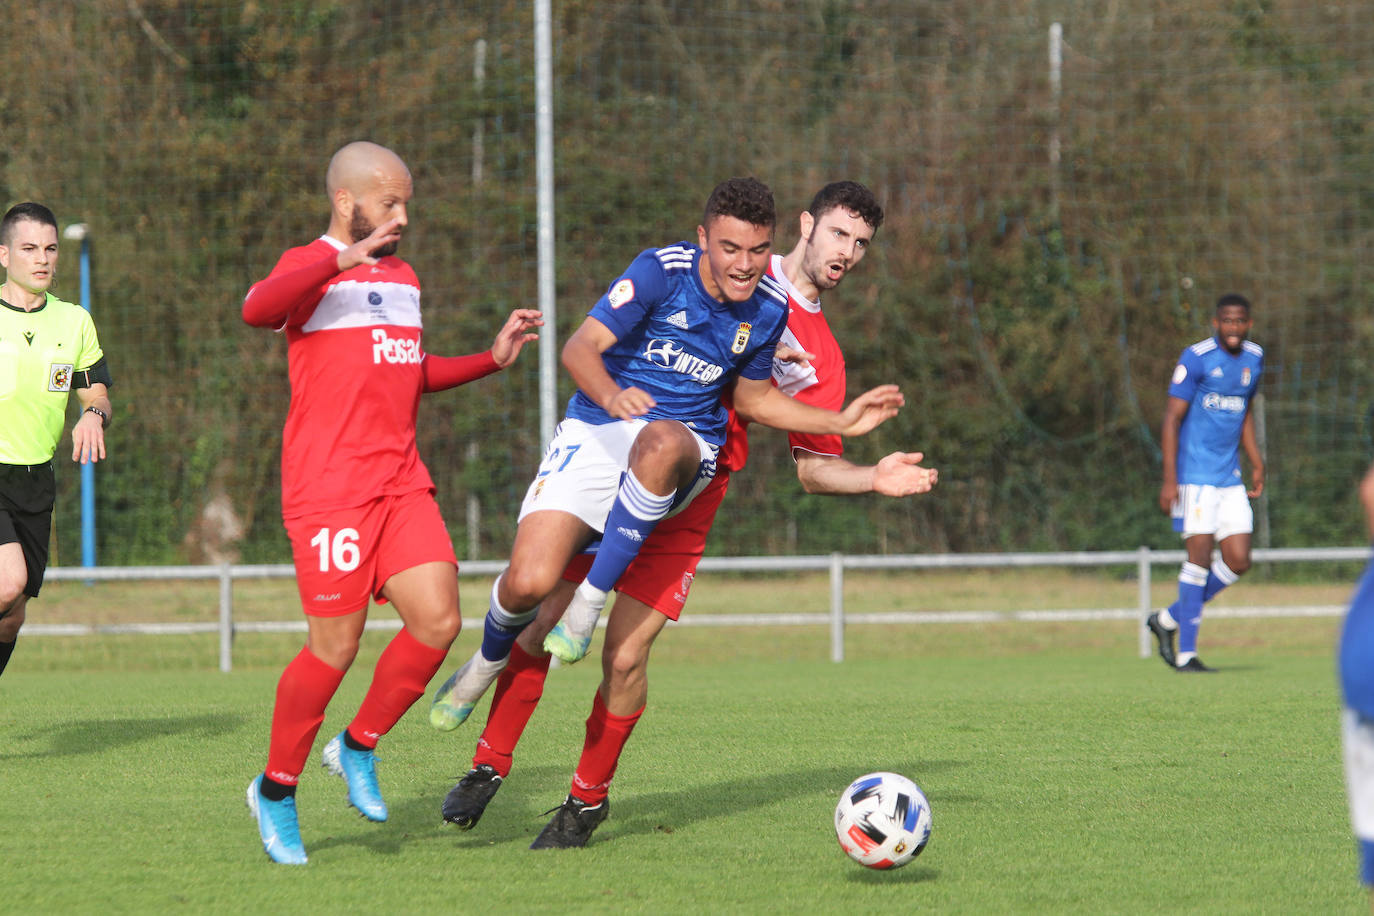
point(1143, 559)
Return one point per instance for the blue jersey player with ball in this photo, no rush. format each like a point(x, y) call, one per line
point(1207, 421)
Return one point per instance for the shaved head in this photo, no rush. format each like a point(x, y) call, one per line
point(368, 186)
point(359, 163)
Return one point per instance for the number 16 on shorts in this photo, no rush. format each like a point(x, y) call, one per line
point(332, 558)
point(339, 551)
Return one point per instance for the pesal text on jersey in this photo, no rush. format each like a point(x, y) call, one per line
point(668, 354)
point(394, 349)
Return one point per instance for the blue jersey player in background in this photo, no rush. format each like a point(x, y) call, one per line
point(1356, 668)
point(642, 431)
point(1206, 422)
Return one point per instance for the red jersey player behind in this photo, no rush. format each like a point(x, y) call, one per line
point(835, 234)
point(357, 501)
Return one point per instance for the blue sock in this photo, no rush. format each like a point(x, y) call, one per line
point(1192, 581)
point(633, 516)
point(500, 628)
point(1218, 578)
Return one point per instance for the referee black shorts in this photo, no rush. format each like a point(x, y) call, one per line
point(27, 494)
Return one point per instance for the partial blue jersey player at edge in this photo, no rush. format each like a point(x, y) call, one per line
point(1218, 386)
point(679, 343)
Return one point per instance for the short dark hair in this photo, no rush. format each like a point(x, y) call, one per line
point(1233, 299)
point(852, 196)
point(746, 199)
point(25, 211)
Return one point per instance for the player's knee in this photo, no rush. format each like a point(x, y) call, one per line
point(438, 632)
point(336, 651)
point(11, 592)
point(624, 664)
point(12, 621)
point(525, 586)
point(661, 443)
point(1239, 564)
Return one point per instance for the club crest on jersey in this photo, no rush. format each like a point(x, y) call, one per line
point(741, 337)
point(621, 293)
point(60, 377)
point(1245, 377)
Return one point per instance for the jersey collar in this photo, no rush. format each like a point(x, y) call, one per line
point(47, 297)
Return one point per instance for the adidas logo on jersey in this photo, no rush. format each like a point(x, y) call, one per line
point(678, 320)
point(1216, 372)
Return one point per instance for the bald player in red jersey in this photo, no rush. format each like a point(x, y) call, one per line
point(835, 234)
point(357, 501)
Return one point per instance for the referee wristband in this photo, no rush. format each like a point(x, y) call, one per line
point(104, 417)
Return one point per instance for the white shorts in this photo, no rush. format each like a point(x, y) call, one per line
point(1357, 742)
point(1218, 511)
point(582, 468)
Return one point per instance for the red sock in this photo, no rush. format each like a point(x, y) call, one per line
point(303, 692)
point(402, 674)
point(518, 690)
point(606, 737)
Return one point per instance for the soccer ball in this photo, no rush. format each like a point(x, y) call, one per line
point(882, 820)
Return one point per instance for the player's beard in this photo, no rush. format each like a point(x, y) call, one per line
point(359, 228)
point(819, 273)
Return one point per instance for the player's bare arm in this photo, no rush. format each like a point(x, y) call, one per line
point(361, 252)
point(757, 401)
point(1250, 443)
point(582, 359)
point(898, 474)
point(88, 435)
point(514, 334)
point(1168, 445)
point(1367, 498)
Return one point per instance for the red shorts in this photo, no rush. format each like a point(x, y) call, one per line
point(343, 557)
point(662, 573)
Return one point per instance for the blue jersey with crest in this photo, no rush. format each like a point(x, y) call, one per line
point(1218, 386)
point(681, 344)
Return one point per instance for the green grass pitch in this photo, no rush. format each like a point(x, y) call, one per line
point(1064, 775)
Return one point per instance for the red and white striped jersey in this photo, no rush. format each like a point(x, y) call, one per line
point(822, 384)
point(354, 350)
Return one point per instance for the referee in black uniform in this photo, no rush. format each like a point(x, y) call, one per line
point(48, 349)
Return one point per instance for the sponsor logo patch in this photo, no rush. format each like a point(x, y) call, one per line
point(394, 349)
point(669, 355)
point(1227, 403)
point(1180, 373)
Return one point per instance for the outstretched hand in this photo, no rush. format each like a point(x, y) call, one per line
point(514, 334)
point(871, 409)
point(901, 474)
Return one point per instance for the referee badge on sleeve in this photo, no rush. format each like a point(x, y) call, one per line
point(60, 377)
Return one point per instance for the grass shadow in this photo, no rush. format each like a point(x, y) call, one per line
point(95, 736)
